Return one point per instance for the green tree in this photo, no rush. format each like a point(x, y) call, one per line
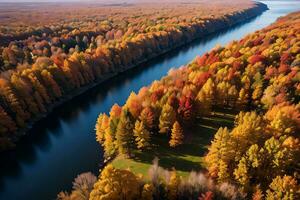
point(124, 136)
point(109, 143)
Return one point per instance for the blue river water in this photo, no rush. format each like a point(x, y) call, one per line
point(63, 145)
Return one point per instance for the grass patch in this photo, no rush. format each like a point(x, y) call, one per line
point(186, 157)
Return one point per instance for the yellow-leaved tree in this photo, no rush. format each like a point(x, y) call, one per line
point(124, 136)
point(173, 185)
point(147, 192)
point(206, 97)
point(220, 152)
point(176, 135)
point(166, 119)
point(285, 187)
point(142, 135)
point(115, 184)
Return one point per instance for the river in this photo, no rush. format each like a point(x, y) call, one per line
point(63, 145)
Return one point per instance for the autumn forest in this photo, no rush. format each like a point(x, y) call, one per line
point(223, 126)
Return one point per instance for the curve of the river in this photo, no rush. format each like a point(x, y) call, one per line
point(63, 145)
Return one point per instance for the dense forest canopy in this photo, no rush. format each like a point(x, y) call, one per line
point(257, 77)
point(224, 126)
point(34, 17)
point(49, 52)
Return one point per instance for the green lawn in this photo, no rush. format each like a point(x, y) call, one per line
point(184, 158)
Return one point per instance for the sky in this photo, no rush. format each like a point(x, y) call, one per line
point(104, 1)
point(99, 1)
point(41, 0)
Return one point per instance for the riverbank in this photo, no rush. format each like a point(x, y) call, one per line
point(180, 123)
point(66, 138)
point(210, 27)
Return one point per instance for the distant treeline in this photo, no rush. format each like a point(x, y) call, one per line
point(40, 71)
point(258, 75)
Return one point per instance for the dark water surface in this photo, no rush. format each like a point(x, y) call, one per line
point(63, 144)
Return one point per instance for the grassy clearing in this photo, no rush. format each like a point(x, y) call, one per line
point(184, 158)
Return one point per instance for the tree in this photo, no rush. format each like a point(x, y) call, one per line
point(249, 155)
point(201, 78)
point(166, 119)
point(142, 135)
point(109, 143)
point(147, 192)
point(242, 172)
point(7, 125)
point(257, 93)
point(37, 85)
point(255, 58)
point(186, 109)
point(278, 157)
point(205, 97)
point(268, 98)
point(115, 184)
point(284, 118)
point(258, 194)
point(248, 130)
point(24, 91)
point(51, 84)
point(173, 186)
point(147, 116)
point(243, 98)
point(63, 196)
point(201, 60)
point(222, 90)
point(232, 96)
point(124, 136)
point(223, 171)
point(176, 135)
point(14, 103)
point(261, 165)
point(220, 153)
point(134, 105)
point(115, 111)
point(82, 187)
point(101, 125)
point(285, 187)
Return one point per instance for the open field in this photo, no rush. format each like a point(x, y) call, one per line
point(185, 158)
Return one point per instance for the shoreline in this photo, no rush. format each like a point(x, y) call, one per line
point(211, 27)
